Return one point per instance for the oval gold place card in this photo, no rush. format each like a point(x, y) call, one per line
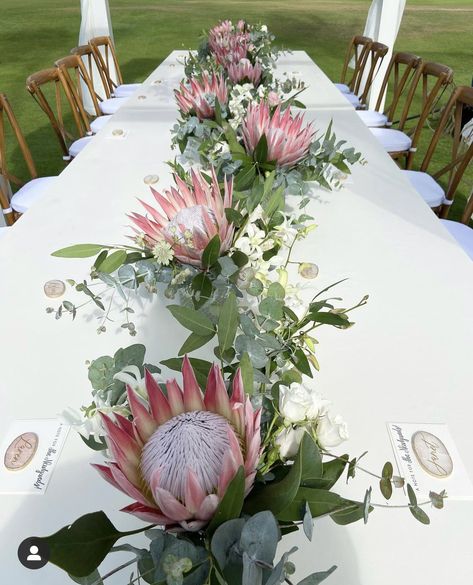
point(54, 289)
point(151, 179)
point(21, 451)
point(432, 454)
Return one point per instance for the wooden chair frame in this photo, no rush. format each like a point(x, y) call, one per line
point(89, 59)
point(375, 56)
point(54, 75)
point(425, 73)
point(74, 73)
point(462, 96)
point(7, 116)
point(358, 48)
point(399, 79)
point(105, 58)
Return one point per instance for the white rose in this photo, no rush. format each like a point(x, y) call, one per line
point(331, 431)
point(264, 28)
point(288, 441)
point(298, 403)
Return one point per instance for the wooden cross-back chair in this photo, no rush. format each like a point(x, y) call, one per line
point(26, 192)
point(432, 79)
point(6, 178)
point(374, 58)
point(62, 95)
point(357, 50)
point(106, 104)
point(400, 73)
point(105, 55)
point(92, 65)
point(462, 148)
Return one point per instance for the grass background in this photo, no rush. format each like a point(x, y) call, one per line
point(37, 32)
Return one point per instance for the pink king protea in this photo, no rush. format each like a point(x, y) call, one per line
point(200, 95)
point(178, 455)
point(229, 44)
point(191, 216)
point(244, 70)
point(288, 141)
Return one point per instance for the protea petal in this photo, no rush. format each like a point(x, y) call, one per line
point(159, 404)
point(216, 396)
point(170, 506)
point(147, 514)
point(144, 422)
point(192, 394)
point(195, 494)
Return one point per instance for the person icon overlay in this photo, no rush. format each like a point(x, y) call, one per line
point(33, 553)
point(34, 556)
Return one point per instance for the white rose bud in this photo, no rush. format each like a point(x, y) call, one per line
point(308, 270)
point(331, 431)
point(299, 403)
point(288, 441)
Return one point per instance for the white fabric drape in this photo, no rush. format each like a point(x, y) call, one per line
point(95, 22)
point(382, 24)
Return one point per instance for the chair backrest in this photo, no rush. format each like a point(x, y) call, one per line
point(76, 76)
point(357, 50)
point(55, 113)
point(461, 148)
point(400, 72)
point(105, 54)
point(374, 58)
point(433, 79)
point(93, 65)
point(7, 117)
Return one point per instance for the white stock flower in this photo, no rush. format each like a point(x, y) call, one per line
point(288, 441)
point(299, 403)
point(331, 431)
point(163, 252)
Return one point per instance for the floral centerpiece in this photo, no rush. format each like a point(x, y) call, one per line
point(225, 460)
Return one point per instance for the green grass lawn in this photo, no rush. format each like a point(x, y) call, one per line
point(35, 34)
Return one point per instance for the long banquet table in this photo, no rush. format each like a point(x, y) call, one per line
point(407, 359)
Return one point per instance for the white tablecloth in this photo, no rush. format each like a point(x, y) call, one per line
point(407, 359)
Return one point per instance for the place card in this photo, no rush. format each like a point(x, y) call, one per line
point(29, 452)
point(428, 459)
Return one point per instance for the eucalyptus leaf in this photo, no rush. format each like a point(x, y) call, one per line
point(80, 547)
point(79, 251)
point(308, 523)
point(317, 578)
point(191, 319)
point(212, 252)
point(227, 323)
point(232, 502)
point(195, 341)
point(112, 262)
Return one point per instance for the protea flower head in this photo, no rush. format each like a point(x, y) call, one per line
point(178, 455)
point(190, 216)
point(245, 71)
point(199, 96)
point(232, 50)
point(220, 35)
point(288, 141)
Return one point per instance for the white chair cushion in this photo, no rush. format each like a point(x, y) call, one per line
point(79, 145)
point(99, 123)
point(353, 99)
point(427, 187)
point(462, 233)
point(112, 105)
point(372, 118)
point(342, 87)
point(33, 191)
point(126, 90)
point(392, 140)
